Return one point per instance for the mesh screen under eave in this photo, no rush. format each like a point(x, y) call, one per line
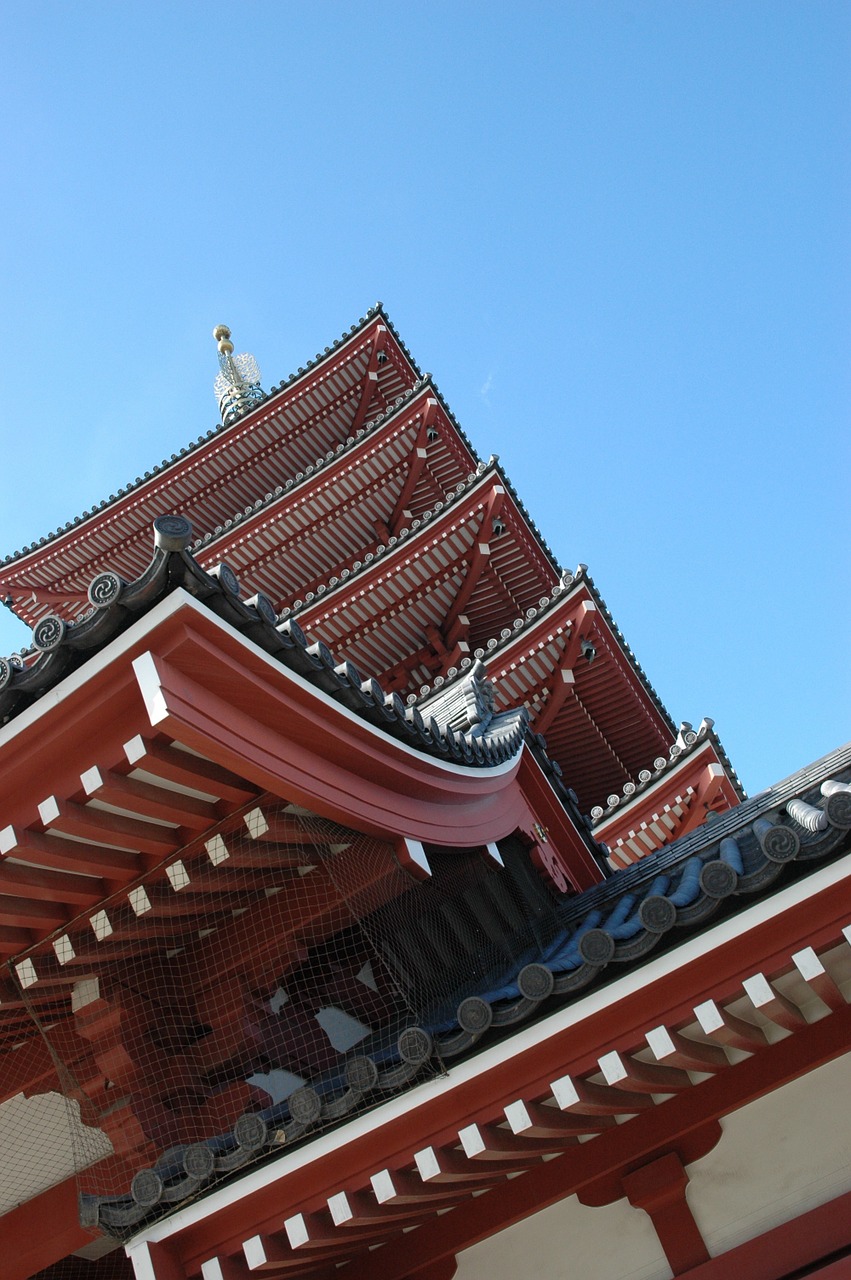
point(219, 991)
point(262, 961)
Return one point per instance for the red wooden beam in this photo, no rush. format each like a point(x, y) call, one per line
point(13, 940)
point(108, 828)
point(370, 382)
point(617, 1152)
point(415, 467)
point(659, 1188)
point(50, 886)
point(68, 855)
point(41, 1231)
point(167, 762)
point(26, 914)
point(478, 558)
point(148, 800)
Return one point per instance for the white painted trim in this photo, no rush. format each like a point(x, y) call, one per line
point(148, 680)
point(140, 1255)
point(640, 796)
point(150, 688)
point(93, 666)
point(596, 1001)
point(416, 852)
point(150, 691)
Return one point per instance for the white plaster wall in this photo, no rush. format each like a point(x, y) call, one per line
point(43, 1141)
point(777, 1158)
point(569, 1241)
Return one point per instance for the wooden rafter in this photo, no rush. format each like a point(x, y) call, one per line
point(415, 467)
point(310, 1212)
point(370, 380)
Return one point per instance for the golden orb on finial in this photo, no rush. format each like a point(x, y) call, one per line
point(222, 335)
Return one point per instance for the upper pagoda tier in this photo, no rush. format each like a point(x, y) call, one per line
point(222, 475)
point(438, 590)
point(344, 506)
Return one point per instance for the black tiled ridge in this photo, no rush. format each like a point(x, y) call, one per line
point(217, 428)
point(689, 740)
point(716, 869)
point(709, 835)
point(60, 648)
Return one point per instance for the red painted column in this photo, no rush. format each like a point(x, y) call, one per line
point(659, 1189)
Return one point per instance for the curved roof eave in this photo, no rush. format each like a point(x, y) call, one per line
point(60, 648)
point(18, 558)
point(570, 585)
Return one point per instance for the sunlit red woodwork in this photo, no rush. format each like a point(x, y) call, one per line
point(292, 805)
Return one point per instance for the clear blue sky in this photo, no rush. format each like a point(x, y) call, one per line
point(617, 234)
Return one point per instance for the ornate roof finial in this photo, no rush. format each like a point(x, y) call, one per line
point(237, 383)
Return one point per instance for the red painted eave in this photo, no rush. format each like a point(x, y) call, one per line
point(184, 674)
point(695, 785)
point(602, 723)
point(614, 1019)
point(116, 535)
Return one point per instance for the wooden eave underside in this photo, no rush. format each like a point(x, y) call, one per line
point(439, 594)
point(599, 721)
point(369, 491)
point(181, 678)
point(696, 785)
point(634, 1051)
point(219, 478)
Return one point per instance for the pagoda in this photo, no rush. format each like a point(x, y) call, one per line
point(359, 897)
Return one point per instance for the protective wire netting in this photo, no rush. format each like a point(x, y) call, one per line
point(114, 1266)
point(255, 991)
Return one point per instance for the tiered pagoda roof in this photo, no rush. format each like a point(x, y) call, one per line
point(228, 470)
point(351, 499)
point(291, 820)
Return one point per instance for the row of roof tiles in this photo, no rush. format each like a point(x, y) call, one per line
point(800, 823)
point(351, 443)
point(518, 625)
point(61, 647)
point(143, 593)
point(221, 427)
point(688, 740)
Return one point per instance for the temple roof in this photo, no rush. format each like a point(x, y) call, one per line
point(220, 473)
point(688, 741)
point(676, 793)
point(491, 569)
point(330, 511)
point(60, 648)
point(718, 870)
point(24, 678)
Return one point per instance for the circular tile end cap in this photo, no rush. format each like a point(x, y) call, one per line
point(474, 1015)
point(172, 533)
point(535, 981)
point(718, 879)
point(146, 1188)
point(597, 947)
point(657, 913)
point(415, 1045)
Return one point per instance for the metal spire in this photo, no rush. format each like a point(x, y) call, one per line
point(237, 383)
